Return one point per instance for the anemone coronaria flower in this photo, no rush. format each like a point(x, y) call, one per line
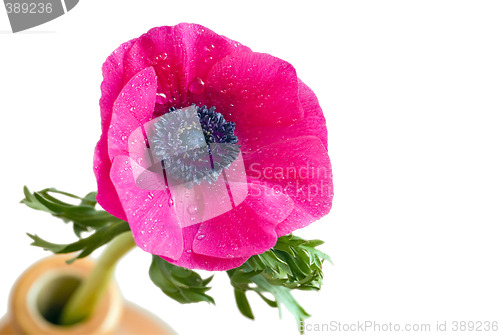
point(209, 151)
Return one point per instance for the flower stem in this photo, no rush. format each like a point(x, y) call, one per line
point(88, 294)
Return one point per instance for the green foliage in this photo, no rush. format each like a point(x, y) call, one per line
point(84, 216)
point(180, 284)
point(293, 263)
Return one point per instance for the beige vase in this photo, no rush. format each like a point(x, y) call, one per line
point(41, 291)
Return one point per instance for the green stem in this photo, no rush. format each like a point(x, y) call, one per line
point(88, 294)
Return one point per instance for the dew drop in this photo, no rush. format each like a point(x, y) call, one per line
point(200, 237)
point(197, 86)
point(192, 209)
point(150, 196)
point(170, 202)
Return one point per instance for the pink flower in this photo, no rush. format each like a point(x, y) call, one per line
point(202, 188)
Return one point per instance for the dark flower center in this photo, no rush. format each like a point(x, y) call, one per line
point(194, 144)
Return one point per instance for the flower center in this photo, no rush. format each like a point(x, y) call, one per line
point(194, 144)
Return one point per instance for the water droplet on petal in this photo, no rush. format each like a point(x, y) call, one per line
point(170, 202)
point(197, 86)
point(150, 195)
point(192, 209)
point(200, 237)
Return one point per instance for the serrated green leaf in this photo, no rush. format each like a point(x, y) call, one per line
point(90, 199)
point(180, 284)
point(30, 201)
point(293, 262)
point(78, 229)
point(243, 304)
point(84, 216)
point(283, 296)
point(260, 284)
point(271, 303)
point(87, 245)
point(313, 243)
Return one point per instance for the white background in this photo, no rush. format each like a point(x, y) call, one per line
point(410, 91)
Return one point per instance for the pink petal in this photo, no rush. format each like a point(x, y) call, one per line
point(181, 55)
point(162, 49)
point(133, 107)
point(111, 86)
point(152, 220)
point(192, 260)
point(106, 192)
point(312, 124)
point(247, 229)
point(254, 89)
point(300, 168)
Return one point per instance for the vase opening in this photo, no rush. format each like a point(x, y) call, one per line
point(52, 295)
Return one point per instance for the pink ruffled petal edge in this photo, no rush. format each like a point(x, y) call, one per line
point(192, 260)
point(111, 86)
point(182, 55)
point(300, 168)
point(248, 229)
point(131, 110)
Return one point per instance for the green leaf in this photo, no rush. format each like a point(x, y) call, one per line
point(259, 284)
point(293, 263)
point(283, 296)
point(85, 216)
point(180, 284)
point(30, 201)
point(87, 245)
point(242, 303)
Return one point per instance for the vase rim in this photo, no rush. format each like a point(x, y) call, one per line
point(29, 289)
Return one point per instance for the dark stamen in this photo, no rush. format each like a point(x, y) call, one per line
point(194, 144)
